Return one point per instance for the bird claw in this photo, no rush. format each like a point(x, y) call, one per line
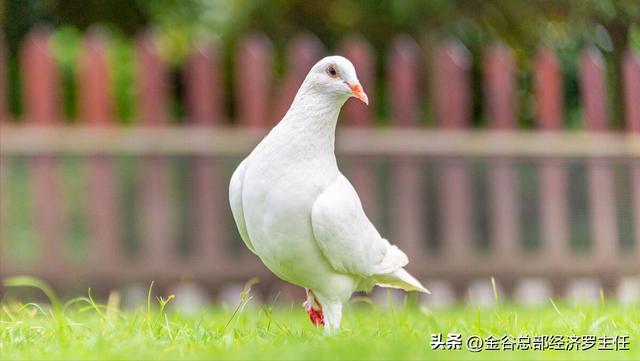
point(316, 317)
point(314, 308)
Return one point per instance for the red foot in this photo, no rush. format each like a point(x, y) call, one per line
point(316, 317)
point(315, 309)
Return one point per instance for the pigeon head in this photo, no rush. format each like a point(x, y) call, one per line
point(336, 75)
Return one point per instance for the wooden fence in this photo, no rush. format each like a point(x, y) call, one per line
point(462, 203)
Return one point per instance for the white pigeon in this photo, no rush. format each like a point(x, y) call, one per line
point(301, 216)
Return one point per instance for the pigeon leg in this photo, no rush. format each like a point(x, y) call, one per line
point(332, 312)
point(314, 308)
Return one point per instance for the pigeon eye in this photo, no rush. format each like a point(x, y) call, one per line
point(332, 72)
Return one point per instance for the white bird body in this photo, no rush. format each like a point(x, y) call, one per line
point(301, 216)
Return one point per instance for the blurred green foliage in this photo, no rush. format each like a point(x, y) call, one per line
point(179, 25)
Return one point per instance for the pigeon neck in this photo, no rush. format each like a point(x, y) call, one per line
point(314, 115)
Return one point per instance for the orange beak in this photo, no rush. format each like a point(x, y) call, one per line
point(358, 92)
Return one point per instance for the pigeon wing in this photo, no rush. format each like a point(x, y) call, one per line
point(347, 238)
point(235, 200)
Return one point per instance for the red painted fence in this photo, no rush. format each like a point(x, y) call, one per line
point(423, 203)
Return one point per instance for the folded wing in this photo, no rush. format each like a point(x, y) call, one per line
point(347, 238)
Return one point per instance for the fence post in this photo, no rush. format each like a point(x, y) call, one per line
point(452, 108)
point(631, 73)
point(357, 114)
point(553, 211)
point(600, 177)
point(96, 110)
point(403, 76)
point(254, 75)
point(157, 228)
point(503, 188)
point(41, 108)
point(208, 213)
point(303, 52)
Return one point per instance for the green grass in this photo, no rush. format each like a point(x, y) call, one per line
point(82, 329)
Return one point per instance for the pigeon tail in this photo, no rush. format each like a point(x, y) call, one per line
point(393, 260)
point(400, 279)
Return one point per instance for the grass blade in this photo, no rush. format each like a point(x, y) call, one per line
point(27, 281)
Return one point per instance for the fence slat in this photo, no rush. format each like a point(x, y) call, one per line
point(254, 75)
point(210, 216)
point(635, 181)
point(157, 228)
point(604, 228)
point(4, 167)
point(204, 87)
point(152, 80)
point(631, 73)
point(631, 79)
point(95, 105)
point(553, 210)
point(360, 53)
point(549, 92)
point(5, 257)
point(505, 227)
point(4, 207)
point(592, 90)
point(407, 208)
point(451, 86)
point(503, 188)
point(357, 114)
point(40, 82)
point(404, 77)
point(452, 109)
point(600, 177)
point(303, 52)
point(500, 88)
point(4, 109)
point(96, 109)
point(208, 211)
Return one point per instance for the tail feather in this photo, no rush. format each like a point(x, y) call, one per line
point(393, 260)
point(400, 279)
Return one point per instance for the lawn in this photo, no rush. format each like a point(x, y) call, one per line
point(83, 329)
